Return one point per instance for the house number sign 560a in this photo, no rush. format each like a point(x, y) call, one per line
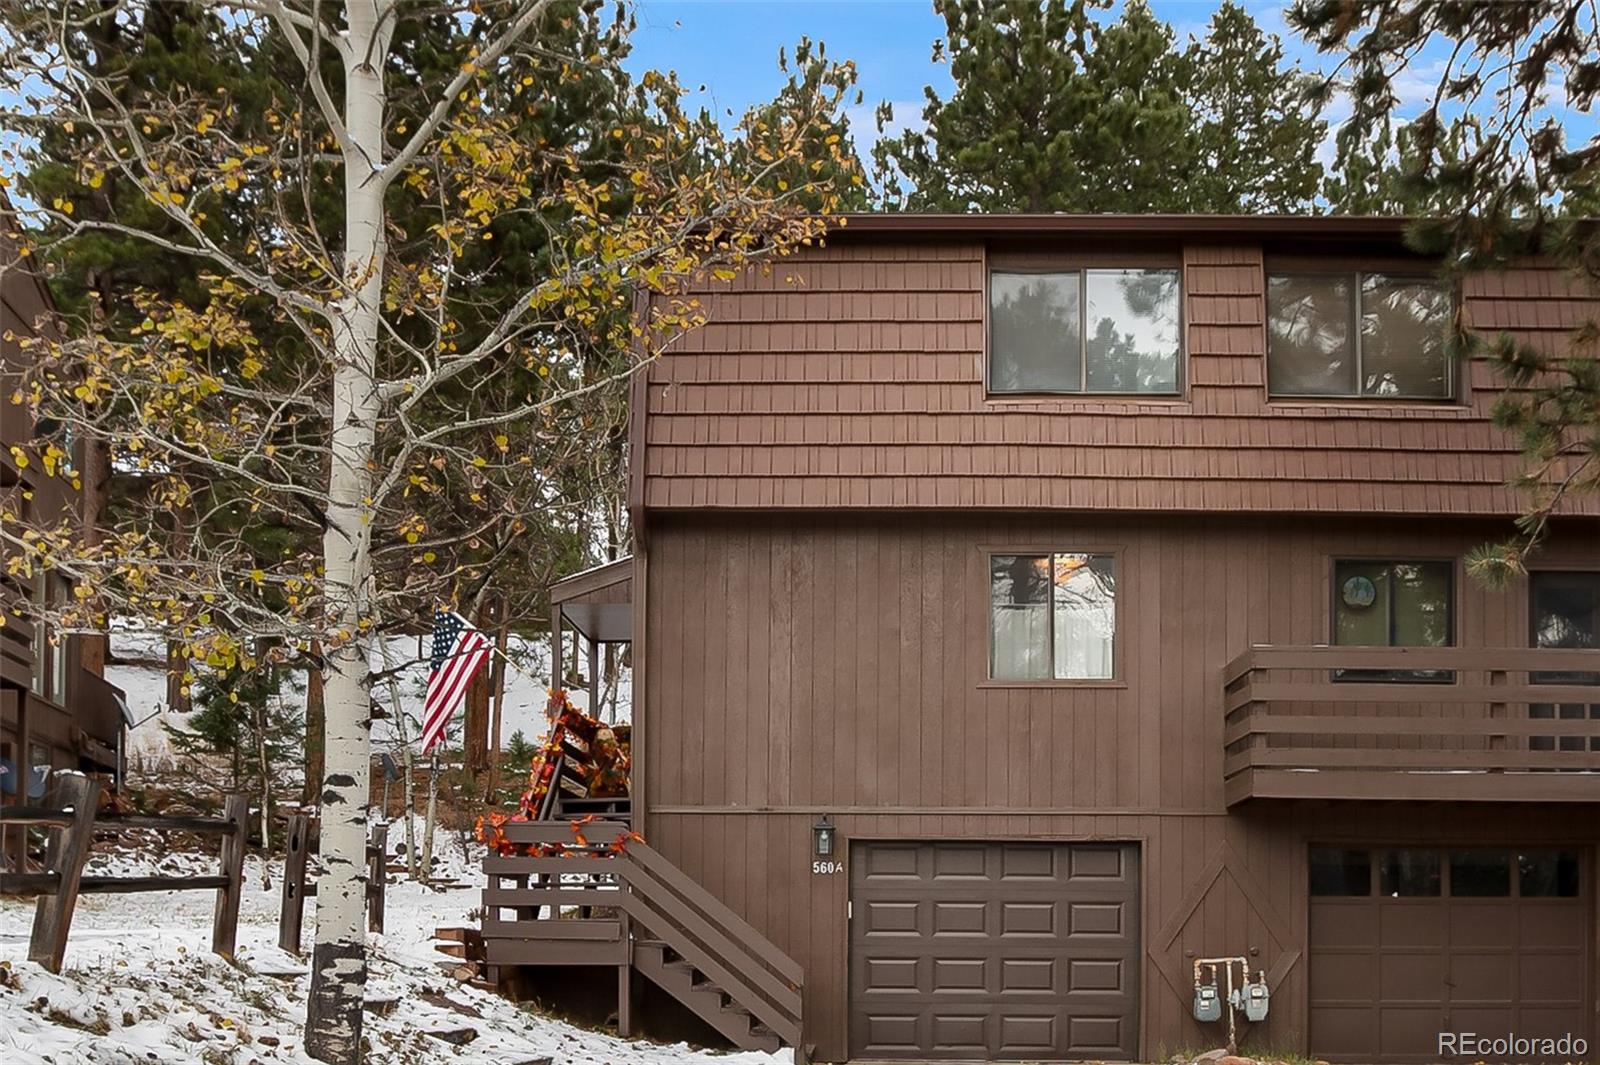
point(826, 868)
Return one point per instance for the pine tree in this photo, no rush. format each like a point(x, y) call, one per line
point(1055, 111)
point(1495, 188)
point(820, 162)
point(1257, 144)
point(1377, 168)
point(244, 723)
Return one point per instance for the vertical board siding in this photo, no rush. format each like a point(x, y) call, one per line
point(834, 664)
point(852, 376)
point(841, 659)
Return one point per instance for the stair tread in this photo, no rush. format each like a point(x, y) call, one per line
point(735, 1021)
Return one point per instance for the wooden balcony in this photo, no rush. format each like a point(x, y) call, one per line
point(1458, 724)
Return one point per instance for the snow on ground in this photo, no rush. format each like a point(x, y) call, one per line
point(148, 745)
point(141, 987)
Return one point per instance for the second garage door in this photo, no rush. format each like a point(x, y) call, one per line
point(994, 950)
point(1406, 944)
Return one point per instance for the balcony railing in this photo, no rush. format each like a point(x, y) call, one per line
point(1440, 723)
point(95, 705)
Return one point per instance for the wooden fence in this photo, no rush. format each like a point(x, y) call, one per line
point(299, 843)
point(70, 812)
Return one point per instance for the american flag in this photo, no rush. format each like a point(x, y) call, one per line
point(459, 651)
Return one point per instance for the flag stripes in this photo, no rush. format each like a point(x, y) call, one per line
point(459, 651)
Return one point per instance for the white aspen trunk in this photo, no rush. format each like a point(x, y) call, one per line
point(339, 957)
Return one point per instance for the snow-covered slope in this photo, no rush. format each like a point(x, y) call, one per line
point(146, 688)
point(140, 987)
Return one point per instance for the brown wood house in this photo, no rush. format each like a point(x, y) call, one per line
point(1099, 580)
point(56, 709)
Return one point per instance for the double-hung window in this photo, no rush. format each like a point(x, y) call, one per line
point(1052, 616)
point(1357, 334)
point(1085, 330)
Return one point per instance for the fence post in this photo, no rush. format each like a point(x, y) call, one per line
point(67, 851)
point(377, 873)
point(291, 914)
point(225, 917)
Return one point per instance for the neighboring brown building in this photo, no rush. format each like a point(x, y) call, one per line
point(1110, 641)
point(56, 710)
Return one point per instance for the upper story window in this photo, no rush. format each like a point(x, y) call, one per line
point(1089, 330)
point(1052, 617)
point(1357, 334)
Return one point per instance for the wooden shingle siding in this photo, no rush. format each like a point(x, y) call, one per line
point(852, 376)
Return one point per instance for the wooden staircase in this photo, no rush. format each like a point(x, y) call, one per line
point(593, 902)
point(679, 977)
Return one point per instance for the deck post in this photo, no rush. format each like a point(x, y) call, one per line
point(65, 856)
point(558, 650)
point(291, 913)
point(594, 677)
point(625, 972)
point(225, 916)
point(377, 874)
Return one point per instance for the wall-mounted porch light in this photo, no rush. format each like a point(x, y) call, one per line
point(822, 838)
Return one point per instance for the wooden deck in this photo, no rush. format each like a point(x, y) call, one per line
point(614, 901)
point(1414, 723)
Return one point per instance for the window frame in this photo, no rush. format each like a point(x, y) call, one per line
point(1553, 570)
point(1036, 265)
point(60, 592)
point(1394, 676)
point(1355, 276)
point(39, 680)
point(986, 553)
point(1559, 711)
point(1388, 560)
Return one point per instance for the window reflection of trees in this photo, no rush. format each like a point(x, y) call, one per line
point(1402, 337)
point(1035, 323)
point(1052, 616)
point(1142, 356)
point(1037, 341)
point(1399, 344)
point(1309, 333)
point(1087, 585)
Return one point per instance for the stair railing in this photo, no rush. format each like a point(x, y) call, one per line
point(654, 894)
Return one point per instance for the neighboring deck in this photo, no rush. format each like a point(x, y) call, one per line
point(1463, 724)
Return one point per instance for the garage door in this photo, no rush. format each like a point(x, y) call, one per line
point(1408, 944)
point(993, 951)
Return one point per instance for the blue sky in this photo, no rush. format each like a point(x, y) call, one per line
point(730, 47)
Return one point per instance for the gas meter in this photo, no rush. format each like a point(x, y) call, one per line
point(1255, 998)
point(1207, 1003)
